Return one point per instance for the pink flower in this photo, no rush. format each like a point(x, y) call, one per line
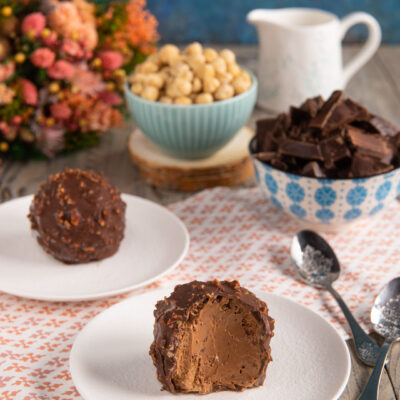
point(72, 48)
point(6, 71)
point(16, 120)
point(111, 59)
point(4, 127)
point(87, 82)
point(60, 111)
point(61, 70)
point(50, 40)
point(29, 92)
point(51, 139)
point(112, 98)
point(43, 57)
point(33, 23)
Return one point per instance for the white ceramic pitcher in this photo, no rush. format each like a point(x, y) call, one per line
point(300, 53)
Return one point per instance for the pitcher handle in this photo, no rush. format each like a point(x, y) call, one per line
point(370, 46)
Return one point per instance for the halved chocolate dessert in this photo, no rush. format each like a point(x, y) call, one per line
point(78, 216)
point(211, 336)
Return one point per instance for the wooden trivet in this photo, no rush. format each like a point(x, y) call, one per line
point(228, 167)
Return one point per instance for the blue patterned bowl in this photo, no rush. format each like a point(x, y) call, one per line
point(326, 204)
point(194, 131)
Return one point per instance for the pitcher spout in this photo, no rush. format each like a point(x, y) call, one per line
point(260, 16)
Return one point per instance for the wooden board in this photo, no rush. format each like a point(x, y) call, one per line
point(228, 167)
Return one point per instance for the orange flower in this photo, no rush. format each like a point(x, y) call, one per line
point(97, 114)
point(6, 94)
point(140, 29)
point(86, 11)
point(75, 18)
point(102, 117)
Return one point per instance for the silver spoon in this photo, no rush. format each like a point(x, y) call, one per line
point(317, 265)
point(385, 316)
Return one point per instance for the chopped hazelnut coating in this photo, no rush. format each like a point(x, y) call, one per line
point(78, 216)
point(174, 74)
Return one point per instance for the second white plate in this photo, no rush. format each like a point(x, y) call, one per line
point(155, 242)
point(110, 360)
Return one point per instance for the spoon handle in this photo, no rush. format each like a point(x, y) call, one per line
point(367, 349)
point(371, 391)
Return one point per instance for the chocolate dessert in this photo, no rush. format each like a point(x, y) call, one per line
point(211, 336)
point(78, 216)
point(337, 138)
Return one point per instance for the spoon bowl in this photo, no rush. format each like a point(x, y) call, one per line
point(314, 259)
point(385, 313)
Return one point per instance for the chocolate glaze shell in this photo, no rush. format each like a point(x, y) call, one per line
point(78, 216)
point(211, 336)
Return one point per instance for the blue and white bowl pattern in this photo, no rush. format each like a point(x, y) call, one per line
point(328, 202)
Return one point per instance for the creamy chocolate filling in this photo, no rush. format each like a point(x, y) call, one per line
point(220, 349)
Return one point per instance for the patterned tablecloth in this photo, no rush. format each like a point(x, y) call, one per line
point(234, 235)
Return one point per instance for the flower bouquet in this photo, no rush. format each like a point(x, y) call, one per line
point(62, 68)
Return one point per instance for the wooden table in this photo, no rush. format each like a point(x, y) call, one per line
point(377, 86)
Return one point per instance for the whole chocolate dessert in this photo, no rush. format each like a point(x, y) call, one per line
point(211, 336)
point(78, 216)
point(334, 139)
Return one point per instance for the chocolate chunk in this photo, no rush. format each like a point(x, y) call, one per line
point(344, 113)
point(264, 132)
point(295, 148)
point(364, 165)
point(371, 144)
point(313, 169)
point(270, 130)
point(328, 135)
point(298, 116)
point(326, 110)
point(334, 149)
point(312, 106)
point(279, 164)
point(265, 156)
point(384, 127)
point(78, 216)
point(210, 337)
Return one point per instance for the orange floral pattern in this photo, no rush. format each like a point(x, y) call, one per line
point(234, 235)
point(139, 30)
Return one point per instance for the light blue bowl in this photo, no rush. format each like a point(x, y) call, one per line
point(193, 131)
point(326, 204)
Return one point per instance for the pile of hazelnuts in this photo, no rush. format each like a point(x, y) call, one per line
point(196, 75)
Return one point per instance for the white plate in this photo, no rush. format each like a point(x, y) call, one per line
point(155, 242)
point(110, 360)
